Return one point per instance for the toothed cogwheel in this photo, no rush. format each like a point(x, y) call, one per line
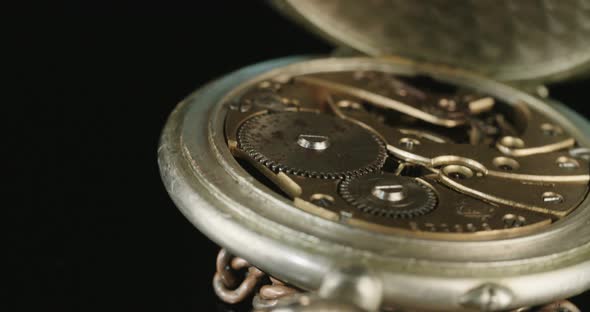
point(311, 145)
point(388, 195)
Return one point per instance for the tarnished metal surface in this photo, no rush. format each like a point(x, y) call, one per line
point(231, 288)
point(340, 148)
point(274, 295)
point(245, 216)
point(462, 164)
point(559, 306)
point(379, 192)
point(225, 282)
point(507, 39)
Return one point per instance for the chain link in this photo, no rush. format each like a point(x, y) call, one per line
point(232, 289)
point(559, 306)
point(225, 281)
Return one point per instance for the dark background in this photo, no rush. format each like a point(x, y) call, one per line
point(95, 82)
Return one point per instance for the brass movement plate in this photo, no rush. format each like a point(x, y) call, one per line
point(407, 155)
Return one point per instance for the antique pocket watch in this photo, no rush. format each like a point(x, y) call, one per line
point(390, 181)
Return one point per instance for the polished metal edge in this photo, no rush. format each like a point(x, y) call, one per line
point(237, 212)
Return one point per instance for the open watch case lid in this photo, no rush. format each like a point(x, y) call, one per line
point(507, 40)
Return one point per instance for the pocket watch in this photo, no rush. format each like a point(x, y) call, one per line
point(424, 168)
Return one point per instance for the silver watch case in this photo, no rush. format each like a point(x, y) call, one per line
point(241, 214)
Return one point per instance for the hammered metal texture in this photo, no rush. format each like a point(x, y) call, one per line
point(507, 40)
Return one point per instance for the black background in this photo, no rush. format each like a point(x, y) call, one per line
point(95, 82)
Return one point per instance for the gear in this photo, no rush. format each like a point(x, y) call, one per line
point(388, 195)
point(311, 145)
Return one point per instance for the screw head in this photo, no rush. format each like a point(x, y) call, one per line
point(389, 192)
point(552, 198)
point(313, 142)
point(567, 162)
point(408, 143)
